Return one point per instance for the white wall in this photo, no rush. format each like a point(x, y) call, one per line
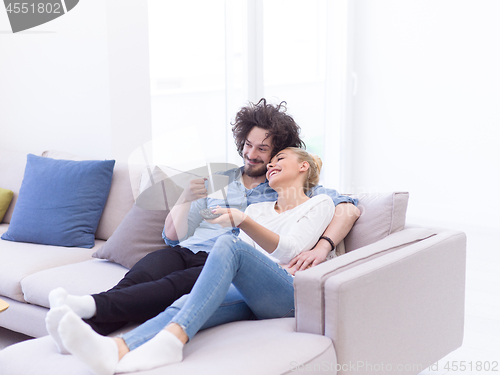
point(67, 84)
point(426, 115)
point(427, 109)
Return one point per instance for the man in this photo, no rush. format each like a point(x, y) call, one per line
point(161, 277)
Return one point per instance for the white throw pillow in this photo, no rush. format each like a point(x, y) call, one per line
point(381, 215)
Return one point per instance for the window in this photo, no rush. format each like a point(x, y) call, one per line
point(295, 62)
point(209, 58)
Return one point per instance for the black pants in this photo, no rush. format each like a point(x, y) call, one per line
point(150, 286)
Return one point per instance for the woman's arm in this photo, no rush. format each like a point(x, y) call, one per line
point(346, 215)
point(265, 238)
point(301, 233)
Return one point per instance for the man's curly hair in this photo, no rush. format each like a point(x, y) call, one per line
point(274, 119)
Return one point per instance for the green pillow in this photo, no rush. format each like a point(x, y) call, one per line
point(5, 199)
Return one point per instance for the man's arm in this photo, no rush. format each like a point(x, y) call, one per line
point(176, 223)
point(345, 216)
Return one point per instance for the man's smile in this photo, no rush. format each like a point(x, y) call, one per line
point(253, 161)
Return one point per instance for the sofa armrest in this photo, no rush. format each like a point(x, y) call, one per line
point(404, 309)
point(309, 284)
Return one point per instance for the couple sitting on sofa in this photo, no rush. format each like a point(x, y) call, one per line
point(242, 278)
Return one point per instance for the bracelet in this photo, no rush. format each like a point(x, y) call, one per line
point(329, 241)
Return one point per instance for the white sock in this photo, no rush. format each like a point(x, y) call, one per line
point(99, 353)
point(83, 306)
point(52, 320)
point(163, 349)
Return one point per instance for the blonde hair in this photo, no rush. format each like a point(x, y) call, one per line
point(315, 165)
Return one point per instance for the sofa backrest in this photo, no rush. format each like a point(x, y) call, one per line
point(12, 165)
point(381, 215)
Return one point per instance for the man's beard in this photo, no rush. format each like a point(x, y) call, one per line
point(255, 170)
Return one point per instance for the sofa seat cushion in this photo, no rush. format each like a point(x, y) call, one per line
point(19, 260)
point(252, 347)
point(98, 276)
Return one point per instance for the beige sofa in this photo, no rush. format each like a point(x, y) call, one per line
point(393, 303)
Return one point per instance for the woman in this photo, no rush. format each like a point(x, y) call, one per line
point(242, 278)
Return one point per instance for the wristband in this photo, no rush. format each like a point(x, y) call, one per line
point(329, 241)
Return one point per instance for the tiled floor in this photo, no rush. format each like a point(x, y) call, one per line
point(480, 352)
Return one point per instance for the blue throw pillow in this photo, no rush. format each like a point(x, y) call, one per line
point(60, 201)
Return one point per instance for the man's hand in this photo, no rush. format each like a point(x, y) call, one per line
point(195, 190)
point(231, 217)
point(308, 259)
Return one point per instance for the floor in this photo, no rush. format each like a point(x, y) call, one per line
point(480, 352)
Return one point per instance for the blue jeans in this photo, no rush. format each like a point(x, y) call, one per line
point(238, 282)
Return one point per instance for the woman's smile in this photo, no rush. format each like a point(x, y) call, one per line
point(272, 172)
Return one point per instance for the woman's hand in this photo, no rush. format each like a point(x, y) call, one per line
point(307, 259)
point(231, 217)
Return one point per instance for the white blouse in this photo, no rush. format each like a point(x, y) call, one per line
point(299, 228)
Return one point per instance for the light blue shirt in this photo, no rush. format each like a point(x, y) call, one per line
point(201, 235)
